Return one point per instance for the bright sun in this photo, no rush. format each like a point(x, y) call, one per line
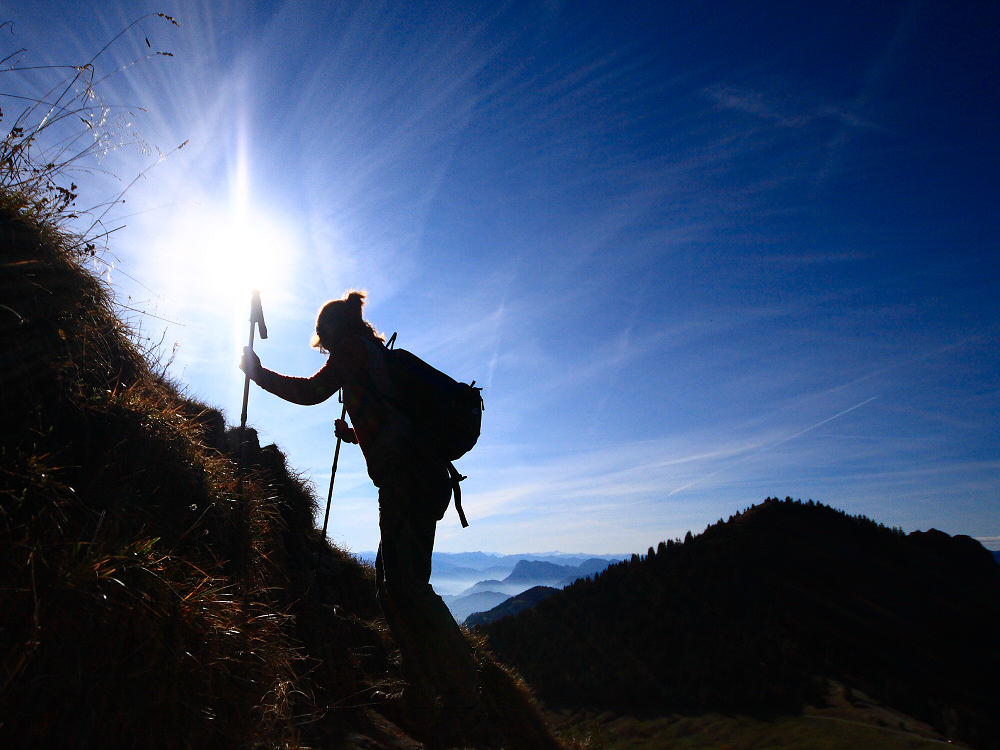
point(225, 254)
point(214, 256)
point(239, 253)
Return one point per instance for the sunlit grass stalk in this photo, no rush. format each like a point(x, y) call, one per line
point(59, 132)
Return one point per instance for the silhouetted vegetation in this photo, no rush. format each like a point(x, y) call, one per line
point(755, 613)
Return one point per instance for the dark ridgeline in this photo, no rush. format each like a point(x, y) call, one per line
point(753, 614)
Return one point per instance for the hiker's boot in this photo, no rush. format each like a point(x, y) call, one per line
point(468, 726)
point(411, 711)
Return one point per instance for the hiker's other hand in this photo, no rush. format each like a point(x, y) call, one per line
point(342, 430)
point(250, 364)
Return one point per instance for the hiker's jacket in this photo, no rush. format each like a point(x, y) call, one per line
point(358, 366)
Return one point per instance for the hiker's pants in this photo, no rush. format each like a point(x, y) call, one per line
point(436, 655)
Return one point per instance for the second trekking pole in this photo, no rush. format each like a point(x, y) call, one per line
point(329, 494)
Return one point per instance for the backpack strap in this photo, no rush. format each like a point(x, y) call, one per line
point(457, 489)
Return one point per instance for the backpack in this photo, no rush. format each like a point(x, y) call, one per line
point(449, 411)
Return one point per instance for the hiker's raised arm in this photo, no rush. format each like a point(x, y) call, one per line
point(303, 391)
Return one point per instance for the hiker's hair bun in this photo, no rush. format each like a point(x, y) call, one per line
point(342, 317)
point(354, 301)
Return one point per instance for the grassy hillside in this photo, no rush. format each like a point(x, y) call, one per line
point(753, 615)
point(151, 597)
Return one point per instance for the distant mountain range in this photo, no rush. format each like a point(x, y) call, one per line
point(479, 601)
point(472, 582)
point(527, 574)
point(512, 606)
point(755, 614)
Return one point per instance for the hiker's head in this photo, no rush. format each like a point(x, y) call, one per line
point(342, 317)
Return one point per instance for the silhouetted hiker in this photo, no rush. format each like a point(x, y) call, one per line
point(414, 492)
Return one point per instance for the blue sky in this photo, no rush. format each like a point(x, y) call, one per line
point(697, 254)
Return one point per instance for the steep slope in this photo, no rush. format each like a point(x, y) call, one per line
point(152, 597)
point(751, 614)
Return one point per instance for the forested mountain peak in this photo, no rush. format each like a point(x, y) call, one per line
point(756, 612)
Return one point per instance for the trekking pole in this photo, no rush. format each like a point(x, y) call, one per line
point(329, 494)
point(256, 319)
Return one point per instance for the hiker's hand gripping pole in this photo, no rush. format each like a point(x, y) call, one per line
point(256, 319)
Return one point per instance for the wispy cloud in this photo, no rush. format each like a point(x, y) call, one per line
point(785, 110)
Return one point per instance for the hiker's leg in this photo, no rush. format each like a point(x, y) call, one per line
point(453, 667)
point(438, 644)
point(435, 645)
point(463, 717)
point(429, 637)
point(419, 682)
